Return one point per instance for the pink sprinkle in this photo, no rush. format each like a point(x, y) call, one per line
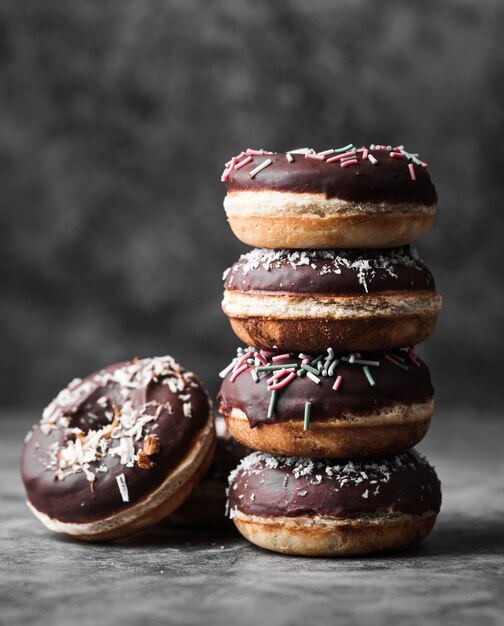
point(348, 163)
point(242, 360)
point(251, 152)
point(424, 165)
point(358, 355)
point(411, 168)
point(337, 382)
point(337, 158)
point(379, 147)
point(242, 163)
point(237, 372)
point(316, 157)
point(397, 155)
point(305, 361)
point(283, 383)
point(280, 373)
point(260, 358)
point(276, 375)
point(281, 357)
point(365, 154)
point(412, 356)
point(391, 360)
point(225, 174)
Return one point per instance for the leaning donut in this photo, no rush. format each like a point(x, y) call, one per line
point(298, 506)
point(346, 197)
point(120, 450)
point(350, 300)
point(327, 405)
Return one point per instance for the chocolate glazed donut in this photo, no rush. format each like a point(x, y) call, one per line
point(118, 451)
point(377, 197)
point(328, 405)
point(298, 506)
point(350, 300)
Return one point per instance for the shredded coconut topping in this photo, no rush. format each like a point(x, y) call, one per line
point(364, 263)
point(122, 436)
point(346, 473)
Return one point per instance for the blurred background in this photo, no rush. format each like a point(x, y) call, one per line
point(116, 118)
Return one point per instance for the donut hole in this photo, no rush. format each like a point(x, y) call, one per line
point(97, 410)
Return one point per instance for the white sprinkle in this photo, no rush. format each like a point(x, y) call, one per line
point(289, 157)
point(227, 369)
point(365, 494)
point(332, 367)
point(254, 375)
point(326, 152)
point(123, 487)
point(372, 159)
point(259, 168)
point(300, 151)
point(311, 376)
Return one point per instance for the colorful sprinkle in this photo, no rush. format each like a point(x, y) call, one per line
point(345, 148)
point(314, 378)
point(309, 368)
point(411, 168)
point(412, 356)
point(289, 157)
point(370, 378)
point(332, 367)
point(259, 168)
point(281, 357)
point(283, 383)
point(272, 404)
point(241, 164)
point(307, 415)
point(339, 157)
point(254, 375)
point(397, 155)
point(227, 369)
point(337, 383)
point(271, 368)
point(237, 372)
point(316, 157)
point(373, 160)
point(348, 163)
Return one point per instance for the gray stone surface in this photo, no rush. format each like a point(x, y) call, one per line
point(455, 577)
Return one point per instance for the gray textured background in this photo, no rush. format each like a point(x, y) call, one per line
point(116, 117)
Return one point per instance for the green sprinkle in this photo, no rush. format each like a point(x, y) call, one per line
point(307, 414)
point(272, 368)
point(371, 380)
point(315, 361)
point(309, 368)
point(272, 404)
point(345, 149)
point(250, 361)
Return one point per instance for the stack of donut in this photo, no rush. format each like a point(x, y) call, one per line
point(330, 392)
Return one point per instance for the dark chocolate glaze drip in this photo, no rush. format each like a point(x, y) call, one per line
point(355, 395)
point(71, 499)
point(280, 276)
point(389, 181)
point(403, 484)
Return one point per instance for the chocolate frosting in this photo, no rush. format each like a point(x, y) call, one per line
point(278, 486)
point(329, 272)
point(72, 458)
point(355, 394)
point(389, 181)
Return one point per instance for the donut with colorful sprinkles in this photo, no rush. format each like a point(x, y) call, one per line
point(345, 197)
point(327, 405)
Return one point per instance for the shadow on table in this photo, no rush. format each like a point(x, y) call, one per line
point(451, 537)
